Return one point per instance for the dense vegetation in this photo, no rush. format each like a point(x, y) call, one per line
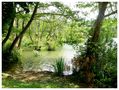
point(38, 26)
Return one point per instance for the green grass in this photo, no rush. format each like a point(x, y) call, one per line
point(32, 79)
point(51, 83)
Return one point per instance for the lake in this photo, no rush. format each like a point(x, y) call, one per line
point(33, 60)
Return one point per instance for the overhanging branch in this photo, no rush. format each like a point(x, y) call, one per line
point(111, 13)
point(58, 14)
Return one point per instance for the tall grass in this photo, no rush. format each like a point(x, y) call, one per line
point(59, 66)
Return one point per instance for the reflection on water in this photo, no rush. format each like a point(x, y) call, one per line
point(43, 60)
point(68, 54)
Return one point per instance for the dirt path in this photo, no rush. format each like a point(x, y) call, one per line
point(29, 75)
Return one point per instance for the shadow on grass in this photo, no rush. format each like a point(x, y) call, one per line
point(44, 80)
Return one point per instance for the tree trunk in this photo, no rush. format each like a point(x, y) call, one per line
point(9, 32)
point(30, 36)
point(17, 23)
point(20, 39)
point(25, 29)
point(96, 28)
point(98, 22)
point(90, 57)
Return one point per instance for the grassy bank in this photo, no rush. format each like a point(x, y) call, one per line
point(37, 80)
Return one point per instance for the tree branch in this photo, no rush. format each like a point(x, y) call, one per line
point(25, 28)
point(58, 14)
point(111, 13)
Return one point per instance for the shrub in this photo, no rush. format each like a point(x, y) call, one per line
point(9, 60)
point(106, 66)
point(59, 66)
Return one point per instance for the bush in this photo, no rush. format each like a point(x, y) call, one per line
point(106, 66)
point(59, 66)
point(9, 60)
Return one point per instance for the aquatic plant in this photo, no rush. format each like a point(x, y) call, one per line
point(59, 66)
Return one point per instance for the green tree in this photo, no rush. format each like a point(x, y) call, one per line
point(24, 30)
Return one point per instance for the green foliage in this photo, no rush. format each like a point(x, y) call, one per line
point(85, 5)
point(109, 30)
point(53, 28)
point(8, 13)
point(59, 66)
point(73, 34)
point(106, 66)
point(105, 50)
point(64, 10)
point(26, 42)
point(9, 60)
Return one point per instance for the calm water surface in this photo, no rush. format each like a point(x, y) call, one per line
point(43, 60)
